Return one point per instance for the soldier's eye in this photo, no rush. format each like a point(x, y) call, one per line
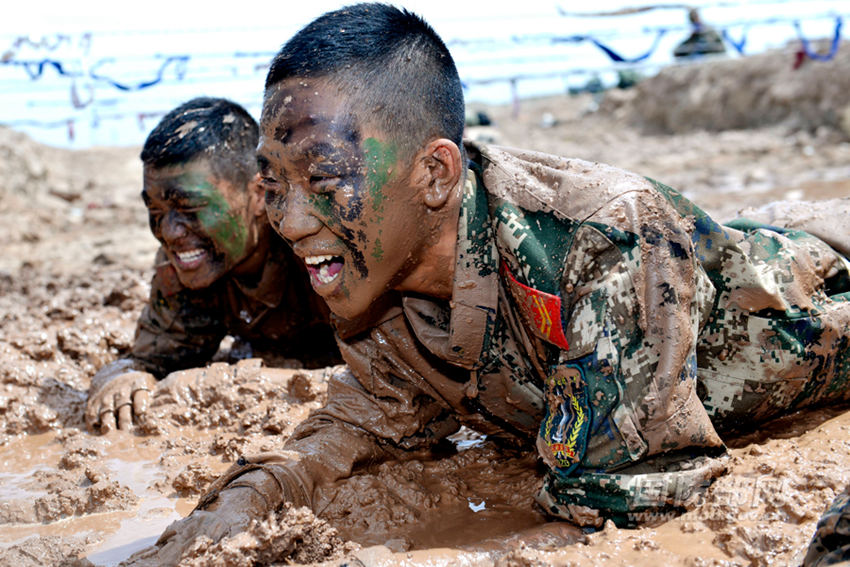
point(192, 207)
point(275, 193)
point(323, 183)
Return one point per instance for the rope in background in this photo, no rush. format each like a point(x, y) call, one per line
point(38, 67)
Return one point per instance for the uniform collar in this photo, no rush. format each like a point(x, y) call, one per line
point(476, 283)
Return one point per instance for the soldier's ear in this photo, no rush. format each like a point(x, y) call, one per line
point(256, 196)
point(441, 166)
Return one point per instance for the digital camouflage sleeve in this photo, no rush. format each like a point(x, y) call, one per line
point(831, 542)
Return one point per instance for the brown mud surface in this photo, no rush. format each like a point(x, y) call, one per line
point(74, 275)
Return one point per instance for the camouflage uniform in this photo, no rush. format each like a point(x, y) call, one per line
point(820, 218)
point(831, 542)
point(278, 314)
point(590, 306)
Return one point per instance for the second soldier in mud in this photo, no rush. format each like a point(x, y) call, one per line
point(220, 269)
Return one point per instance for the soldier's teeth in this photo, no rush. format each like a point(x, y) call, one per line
point(190, 256)
point(315, 260)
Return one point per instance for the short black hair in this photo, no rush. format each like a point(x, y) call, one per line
point(393, 65)
point(214, 129)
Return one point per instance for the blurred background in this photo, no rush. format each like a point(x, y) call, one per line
point(90, 73)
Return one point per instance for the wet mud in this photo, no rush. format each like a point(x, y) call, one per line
point(74, 276)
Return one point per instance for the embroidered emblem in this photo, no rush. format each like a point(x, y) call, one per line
point(541, 310)
point(566, 425)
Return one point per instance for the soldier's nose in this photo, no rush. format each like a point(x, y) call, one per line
point(173, 227)
point(296, 218)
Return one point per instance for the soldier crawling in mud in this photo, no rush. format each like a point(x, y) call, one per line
point(220, 269)
point(571, 308)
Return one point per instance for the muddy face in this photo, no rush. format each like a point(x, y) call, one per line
point(338, 191)
point(203, 223)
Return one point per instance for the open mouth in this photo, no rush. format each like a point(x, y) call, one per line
point(323, 269)
point(188, 259)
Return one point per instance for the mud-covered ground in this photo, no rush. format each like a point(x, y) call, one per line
point(74, 275)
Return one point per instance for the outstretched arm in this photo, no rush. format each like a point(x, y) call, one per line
point(374, 412)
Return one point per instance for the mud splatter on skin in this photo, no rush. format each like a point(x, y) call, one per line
point(334, 175)
point(329, 174)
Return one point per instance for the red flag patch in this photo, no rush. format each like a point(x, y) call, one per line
point(541, 310)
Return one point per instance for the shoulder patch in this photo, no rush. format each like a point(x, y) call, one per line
point(541, 310)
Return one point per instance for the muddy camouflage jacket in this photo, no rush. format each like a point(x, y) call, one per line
point(825, 219)
point(600, 317)
point(831, 543)
point(181, 327)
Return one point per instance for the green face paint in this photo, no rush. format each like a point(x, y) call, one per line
point(378, 250)
point(379, 158)
point(322, 204)
point(224, 227)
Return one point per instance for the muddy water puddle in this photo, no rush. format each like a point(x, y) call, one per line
point(14, 486)
point(467, 507)
point(111, 535)
point(148, 520)
point(28, 451)
point(463, 527)
point(474, 498)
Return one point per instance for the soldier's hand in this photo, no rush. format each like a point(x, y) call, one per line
point(232, 512)
point(182, 387)
point(119, 401)
point(187, 387)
